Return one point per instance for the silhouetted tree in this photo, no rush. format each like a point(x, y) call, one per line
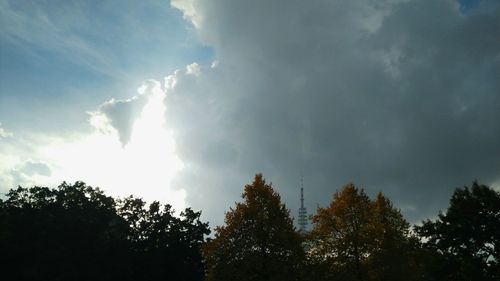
point(258, 241)
point(396, 255)
point(69, 233)
point(466, 238)
point(75, 232)
point(164, 246)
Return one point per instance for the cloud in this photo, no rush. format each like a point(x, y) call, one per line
point(30, 173)
point(193, 69)
point(397, 96)
point(31, 168)
point(188, 9)
point(144, 167)
point(4, 133)
point(53, 29)
point(122, 114)
point(19, 164)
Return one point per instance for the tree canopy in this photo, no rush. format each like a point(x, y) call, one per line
point(75, 232)
point(466, 237)
point(356, 238)
point(258, 240)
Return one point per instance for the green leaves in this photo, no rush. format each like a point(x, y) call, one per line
point(467, 236)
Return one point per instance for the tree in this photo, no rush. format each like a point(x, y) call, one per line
point(68, 233)
point(75, 232)
point(164, 246)
point(467, 237)
point(341, 235)
point(396, 254)
point(258, 240)
point(355, 238)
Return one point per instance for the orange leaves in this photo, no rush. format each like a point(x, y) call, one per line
point(258, 240)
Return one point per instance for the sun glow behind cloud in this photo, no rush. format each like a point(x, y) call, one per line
point(143, 167)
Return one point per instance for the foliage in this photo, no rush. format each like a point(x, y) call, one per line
point(341, 233)
point(355, 238)
point(258, 240)
point(163, 245)
point(75, 232)
point(396, 253)
point(467, 237)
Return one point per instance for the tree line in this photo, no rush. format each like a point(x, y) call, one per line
point(76, 232)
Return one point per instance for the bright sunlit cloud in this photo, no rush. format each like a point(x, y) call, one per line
point(4, 133)
point(143, 167)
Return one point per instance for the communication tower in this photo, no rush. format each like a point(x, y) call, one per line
point(302, 219)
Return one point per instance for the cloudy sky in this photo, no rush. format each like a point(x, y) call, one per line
point(183, 101)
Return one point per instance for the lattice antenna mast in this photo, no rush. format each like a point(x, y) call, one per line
point(302, 219)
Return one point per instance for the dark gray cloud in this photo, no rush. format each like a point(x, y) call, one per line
point(396, 96)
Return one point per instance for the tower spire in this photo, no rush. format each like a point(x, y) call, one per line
point(302, 219)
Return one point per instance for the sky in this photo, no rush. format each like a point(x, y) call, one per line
point(184, 101)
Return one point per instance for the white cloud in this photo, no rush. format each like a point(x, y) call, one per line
point(4, 133)
point(121, 115)
point(193, 69)
point(188, 8)
point(145, 167)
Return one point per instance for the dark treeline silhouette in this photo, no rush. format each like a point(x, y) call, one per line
point(75, 232)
